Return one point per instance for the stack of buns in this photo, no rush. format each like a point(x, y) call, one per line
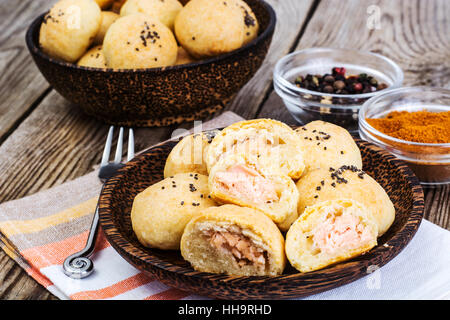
point(135, 34)
point(245, 200)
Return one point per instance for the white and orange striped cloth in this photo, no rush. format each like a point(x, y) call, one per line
point(41, 230)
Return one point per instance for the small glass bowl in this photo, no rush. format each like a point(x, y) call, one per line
point(306, 105)
point(429, 161)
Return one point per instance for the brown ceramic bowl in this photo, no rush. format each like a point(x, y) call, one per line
point(169, 267)
point(157, 96)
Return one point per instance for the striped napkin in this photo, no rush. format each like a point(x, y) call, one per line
point(41, 230)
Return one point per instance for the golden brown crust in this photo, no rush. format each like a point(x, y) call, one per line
point(273, 144)
point(256, 225)
point(139, 41)
point(160, 212)
point(189, 154)
point(94, 58)
point(251, 25)
point(208, 28)
point(108, 18)
point(328, 145)
point(300, 249)
point(69, 29)
point(165, 11)
point(348, 183)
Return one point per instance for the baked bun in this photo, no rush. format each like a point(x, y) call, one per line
point(207, 28)
point(274, 145)
point(251, 26)
point(346, 182)
point(69, 29)
point(183, 57)
point(238, 180)
point(328, 145)
point(163, 10)
point(330, 232)
point(235, 241)
point(189, 154)
point(160, 212)
point(94, 58)
point(108, 18)
point(104, 4)
point(139, 41)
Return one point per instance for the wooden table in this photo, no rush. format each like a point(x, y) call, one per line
point(45, 141)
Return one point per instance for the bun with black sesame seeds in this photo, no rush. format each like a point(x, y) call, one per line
point(207, 28)
point(160, 212)
point(251, 26)
point(94, 58)
point(69, 28)
point(346, 182)
point(328, 145)
point(139, 41)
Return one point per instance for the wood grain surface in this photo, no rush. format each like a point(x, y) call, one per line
point(45, 141)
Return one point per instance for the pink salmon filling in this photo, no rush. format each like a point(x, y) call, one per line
point(341, 232)
point(243, 182)
point(241, 247)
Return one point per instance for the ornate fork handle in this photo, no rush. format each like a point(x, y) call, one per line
point(78, 265)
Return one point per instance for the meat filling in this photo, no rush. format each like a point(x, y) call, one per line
point(244, 251)
point(243, 182)
point(340, 231)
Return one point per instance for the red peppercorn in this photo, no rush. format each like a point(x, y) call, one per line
point(357, 86)
point(339, 71)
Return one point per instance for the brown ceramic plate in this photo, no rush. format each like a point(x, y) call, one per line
point(169, 267)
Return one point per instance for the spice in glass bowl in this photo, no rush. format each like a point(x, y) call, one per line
point(419, 126)
point(339, 83)
point(421, 138)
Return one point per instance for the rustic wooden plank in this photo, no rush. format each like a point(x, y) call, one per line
point(412, 33)
point(21, 83)
point(291, 16)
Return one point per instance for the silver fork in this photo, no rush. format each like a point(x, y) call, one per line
point(78, 265)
